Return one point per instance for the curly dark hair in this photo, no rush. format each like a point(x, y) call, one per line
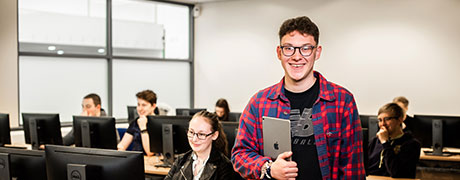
point(303, 24)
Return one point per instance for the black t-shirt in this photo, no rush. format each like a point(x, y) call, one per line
point(302, 134)
point(135, 131)
point(409, 124)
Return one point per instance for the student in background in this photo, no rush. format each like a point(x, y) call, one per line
point(207, 159)
point(393, 152)
point(222, 109)
point(408, 120)
point(137, 131)
point(91, 106)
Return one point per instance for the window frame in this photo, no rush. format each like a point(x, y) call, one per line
point(109, 56)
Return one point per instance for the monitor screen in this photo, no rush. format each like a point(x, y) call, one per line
point(48, 129)
point(176, 141)
point(101, 164)
point(5, 136)
point(365, 120)
point(188, 111)
point(423, 130)
point(230, 129)
point(95, 132)
point(132, 113)
point(234, 116)
point(24, 164)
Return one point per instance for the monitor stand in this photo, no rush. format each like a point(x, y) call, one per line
point(85, 134)
point(168, 146)
point(437, 140)
point(33, 129)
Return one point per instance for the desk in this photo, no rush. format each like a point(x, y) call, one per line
point(440, 158)
point(439, 167)
point(149, 165)
point(374, 177)
point(19, 146)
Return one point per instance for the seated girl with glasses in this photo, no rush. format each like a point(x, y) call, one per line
point(393, 152)
point(207, 159)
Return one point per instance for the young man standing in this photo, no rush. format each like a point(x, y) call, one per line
point(325, 126)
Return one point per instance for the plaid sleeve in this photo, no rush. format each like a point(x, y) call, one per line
point(246, 153)
point(351, 156)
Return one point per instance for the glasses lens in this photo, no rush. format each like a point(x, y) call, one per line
point(190, 134)
point(201, 136)
point(288, 50)
point(306, 50)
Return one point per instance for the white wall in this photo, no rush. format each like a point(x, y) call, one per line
point(377, 49)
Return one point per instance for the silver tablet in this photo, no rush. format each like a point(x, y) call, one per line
point(277, 136)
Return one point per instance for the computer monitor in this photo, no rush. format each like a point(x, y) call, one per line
point(365, 132)
point(422, 130)
point(373, 127)
point(437, 132)
point(234, 116)
point(168, 135)
point(365, 120)
point(188, 111)
point(230, 129)
point(5, 136)
point(41, 129)
point(64, 162)
point(22, 164)
point(95, 132)
point(132, 113)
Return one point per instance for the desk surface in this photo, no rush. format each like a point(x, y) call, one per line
point(440, 158)
point(149, 165)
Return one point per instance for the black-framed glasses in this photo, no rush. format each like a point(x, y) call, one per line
point(387, 118)
point(200, 136)
point(305, 51)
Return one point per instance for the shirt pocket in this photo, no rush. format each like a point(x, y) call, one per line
point(333, 139)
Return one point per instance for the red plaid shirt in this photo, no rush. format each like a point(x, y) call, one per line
point(336, 126)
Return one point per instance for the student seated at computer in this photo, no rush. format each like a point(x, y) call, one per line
point(408, 120)
point(393, 152)
point(207, 159)
point(91, 106)
point(222, 109)
point(137, 130)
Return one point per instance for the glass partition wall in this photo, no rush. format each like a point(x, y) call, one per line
point(115, 48)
